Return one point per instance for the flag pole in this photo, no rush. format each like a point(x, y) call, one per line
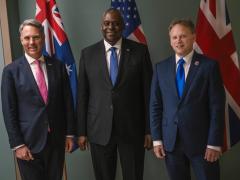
point(65, 171)
point(17, 173)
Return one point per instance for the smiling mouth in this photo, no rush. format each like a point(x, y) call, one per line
point(32, 48)
point(179, 46)
point(111, 33)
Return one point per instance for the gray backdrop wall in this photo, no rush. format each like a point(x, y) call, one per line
point(81, 19)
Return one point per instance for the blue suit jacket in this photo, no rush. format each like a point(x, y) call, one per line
point(26, 115)
point(198, 117)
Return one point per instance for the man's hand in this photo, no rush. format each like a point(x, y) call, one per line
point(212, 155)
point(83, 143)
point(24, 153)
point(69, 144)
point(159, 151)
point(148, 142)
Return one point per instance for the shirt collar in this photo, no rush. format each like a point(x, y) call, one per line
point(31, 60)
point(187, 58)
point(116, 45)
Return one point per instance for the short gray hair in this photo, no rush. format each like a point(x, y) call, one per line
point(110, 10)
point(31, 22)
point(184, 22)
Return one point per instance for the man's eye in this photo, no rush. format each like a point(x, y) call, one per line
point(36, 38)
point(107, 23)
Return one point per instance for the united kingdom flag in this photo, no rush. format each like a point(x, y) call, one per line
point(133, 28)
point(215, 39)
point(56, 41)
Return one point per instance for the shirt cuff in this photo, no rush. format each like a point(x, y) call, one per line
point(17, 147)
point(216, 148)
point(157, 143)
point(70, 136)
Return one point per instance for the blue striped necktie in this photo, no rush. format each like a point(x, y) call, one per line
point(180, 77)
point(113, 65)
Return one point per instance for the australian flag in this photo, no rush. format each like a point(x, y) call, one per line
point(133, 28)
point(56, 41)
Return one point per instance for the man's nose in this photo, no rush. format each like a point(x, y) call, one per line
point(31, 40)
point(179, 39)
point(111, 26)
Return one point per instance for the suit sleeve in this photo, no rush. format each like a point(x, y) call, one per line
point(83, 96)
point(156, 108)
point(147, 76)
point(216, 96)
point(68, 99)
point(10, 108)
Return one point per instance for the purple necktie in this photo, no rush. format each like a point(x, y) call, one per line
point(41, 81)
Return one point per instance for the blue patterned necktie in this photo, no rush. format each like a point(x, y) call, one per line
point(180, 77)
point(113, 65)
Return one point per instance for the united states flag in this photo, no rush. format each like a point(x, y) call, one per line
point(133, 28)
point(56, 41)
point(215, 39)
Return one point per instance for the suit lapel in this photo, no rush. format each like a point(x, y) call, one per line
point(50, 75)
point(125, 54)
point(191, 73)
point(102, 62)
point(172, 75)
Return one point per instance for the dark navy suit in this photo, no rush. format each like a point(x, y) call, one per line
point(188, 124)
point(27, 117)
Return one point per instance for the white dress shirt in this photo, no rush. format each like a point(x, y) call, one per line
point(108, 51)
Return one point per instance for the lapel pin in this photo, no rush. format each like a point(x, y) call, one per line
point(49, 64)
point(196, 63)
point(128, 50)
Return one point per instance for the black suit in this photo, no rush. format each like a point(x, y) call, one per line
point(117, 114)
point(27, 117)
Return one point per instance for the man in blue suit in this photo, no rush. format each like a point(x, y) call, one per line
point(187, 109)
point(37, 108)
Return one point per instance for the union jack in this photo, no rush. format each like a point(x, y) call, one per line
point(214, 38)
point(56, 41)
point(133, 28)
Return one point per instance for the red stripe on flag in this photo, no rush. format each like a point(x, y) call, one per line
point(221, 50)
point(46, 13)
point(212, 6)
point(41, 16)
point(140, 36)
point(58, 30)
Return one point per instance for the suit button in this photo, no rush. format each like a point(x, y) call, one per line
point(111, 107)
